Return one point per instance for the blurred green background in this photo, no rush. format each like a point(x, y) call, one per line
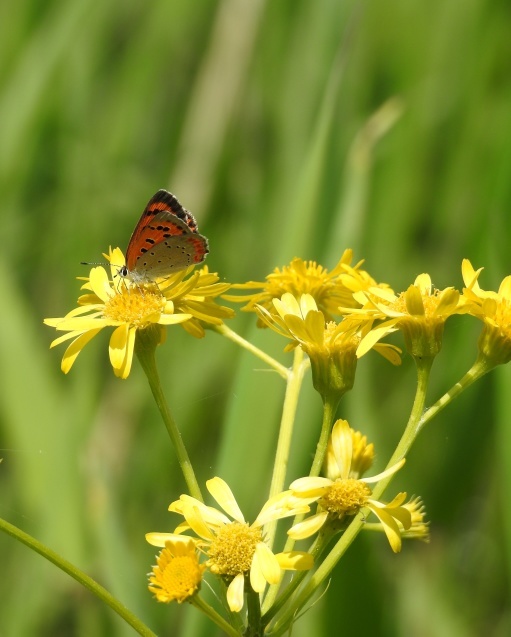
point(289, 128)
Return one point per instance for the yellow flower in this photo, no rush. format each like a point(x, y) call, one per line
point(419, 528)
point(343, 493)
point(329, 289)
point(420, 313)
point(331, 347)
point(177, 574)
point(236, 550)
point(494, 309)
point(130, 307)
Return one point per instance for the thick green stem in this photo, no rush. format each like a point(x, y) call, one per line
point(254, 628)
point(145, 349)
point(79, 576)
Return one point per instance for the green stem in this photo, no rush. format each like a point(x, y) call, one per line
point(319, 576)
point(412, 427)
point(239, 340)
point(145, 351)
point(478, 369)
point(420, 417)
point(315, 550)
point(79, 576)
point(329, 408)
point(294, 383)
point(208, 610)
point(254, 628)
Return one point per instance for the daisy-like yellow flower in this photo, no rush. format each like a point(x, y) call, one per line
point(419, 528)
point(494, 309)
point(329, 289)
point(236, 550)
point(129, 307)
point(343, 493)
point(177, 574)
point(331, 347)
point(420, 313)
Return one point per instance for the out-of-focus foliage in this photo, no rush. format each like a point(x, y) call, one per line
point(289, 128)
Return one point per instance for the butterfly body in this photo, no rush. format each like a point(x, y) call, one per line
point(165, 240)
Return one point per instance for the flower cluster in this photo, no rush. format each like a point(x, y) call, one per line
point(334, 318)
point(236, 550)
point(328, 289)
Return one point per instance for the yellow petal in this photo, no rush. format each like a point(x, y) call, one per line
point(257, 580)
point(268, 566)
point(342, 446)
point(67, 337)
point(173, 319)
point(470, 275)
point(159, 539)
point(235, 593)
point(375, 335)
point(389, 526)
point(313, 487)
point(308, 527)
point(124, 369)
point(287, 305)
point(390, 352)
point(211, 516)
point(193, 516)
point(307, 304)
point(83, 323)
point(384, 474)
point(423, 282)
point(83, 309)
point(505, 288)
point(75, 348)
point(413, 300)
point(295, 561)
point(100, 284)
point(117, 261)
point(118, 342)
point(222, 493)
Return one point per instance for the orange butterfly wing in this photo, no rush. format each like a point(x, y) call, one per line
point(163, 217)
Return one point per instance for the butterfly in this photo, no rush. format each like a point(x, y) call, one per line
point(165, 240)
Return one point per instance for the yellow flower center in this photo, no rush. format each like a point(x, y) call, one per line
point(346, 495)
point(136, 306)
point(231, 552)
point(175, 578)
